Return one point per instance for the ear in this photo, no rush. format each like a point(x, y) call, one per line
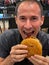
point(42, 20)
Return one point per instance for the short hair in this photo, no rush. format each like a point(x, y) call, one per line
point(19, 3)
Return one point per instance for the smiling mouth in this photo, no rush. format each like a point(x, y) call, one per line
point(29, 33)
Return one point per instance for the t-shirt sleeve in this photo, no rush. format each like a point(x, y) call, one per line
point(7, 40)
point(3, 45)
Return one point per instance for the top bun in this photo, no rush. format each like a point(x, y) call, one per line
point(33, 46)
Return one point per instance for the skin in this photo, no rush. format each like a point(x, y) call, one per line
point(29, 21)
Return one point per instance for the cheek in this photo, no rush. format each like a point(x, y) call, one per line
point(20, 25)
point(37, 25)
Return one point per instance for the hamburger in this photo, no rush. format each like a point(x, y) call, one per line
point(33, 46)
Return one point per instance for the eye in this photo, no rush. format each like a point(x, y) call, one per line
point(34, 18)
point(22, 18)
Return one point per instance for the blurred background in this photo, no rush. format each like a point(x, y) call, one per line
point(7, 13)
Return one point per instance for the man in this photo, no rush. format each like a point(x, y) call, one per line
point(29, 19)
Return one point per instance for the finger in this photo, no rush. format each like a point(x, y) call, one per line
point(39, 62)
point(19, 52)
point(32, 61)
point(17, 57)
point(47, 60)
point(41, 58)
point(18, 60)
point(19, 46)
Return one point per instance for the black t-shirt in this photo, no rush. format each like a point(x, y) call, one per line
point(12, 37)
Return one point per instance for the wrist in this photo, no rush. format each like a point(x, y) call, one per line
point(11, 59)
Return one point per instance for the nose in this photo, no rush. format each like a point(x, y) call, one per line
point(28, 24)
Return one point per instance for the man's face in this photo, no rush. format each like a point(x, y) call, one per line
point(29, 19)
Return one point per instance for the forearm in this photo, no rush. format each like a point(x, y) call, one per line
point(7, 61)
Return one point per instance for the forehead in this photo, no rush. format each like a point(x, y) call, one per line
point(28, 7)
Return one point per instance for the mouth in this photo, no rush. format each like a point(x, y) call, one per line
point(28, 34)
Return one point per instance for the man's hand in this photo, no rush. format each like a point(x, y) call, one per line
point(18, 52)
point(39, 60)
